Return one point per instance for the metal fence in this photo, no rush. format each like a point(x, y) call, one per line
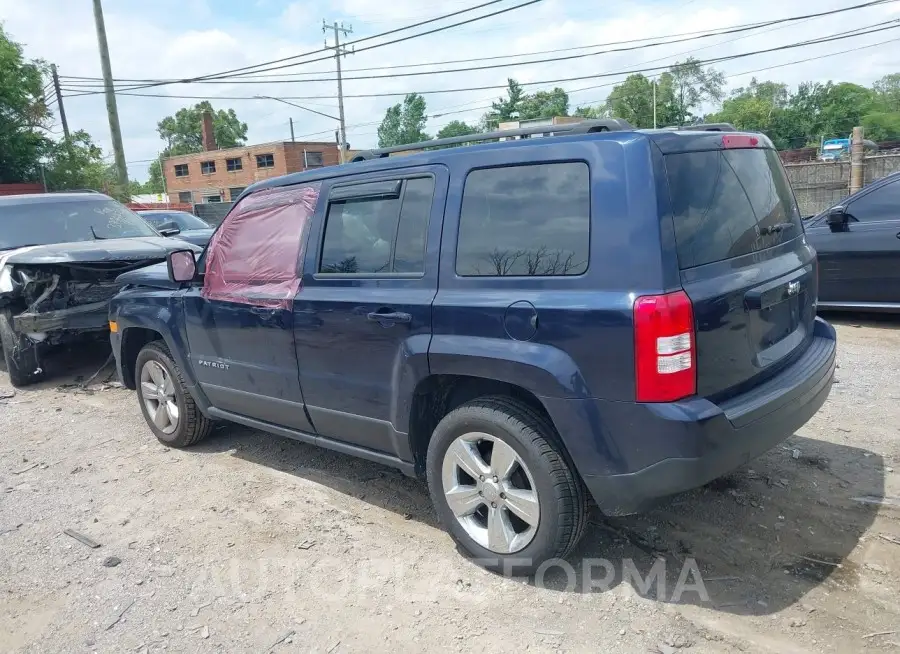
point(819, 185)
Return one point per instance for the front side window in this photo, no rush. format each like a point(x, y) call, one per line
point(68, 221)
point(379, 235)
point(253, 258)
point(525, 221)
point(881, 204)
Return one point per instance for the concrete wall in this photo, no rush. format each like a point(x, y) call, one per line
point(819, 185)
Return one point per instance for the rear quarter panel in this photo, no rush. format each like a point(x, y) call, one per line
point(583, 344)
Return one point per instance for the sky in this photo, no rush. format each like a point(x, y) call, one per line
point(166, 39)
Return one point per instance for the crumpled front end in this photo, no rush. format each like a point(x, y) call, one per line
point(51, 301)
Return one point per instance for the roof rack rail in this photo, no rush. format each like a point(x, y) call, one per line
point(583, 127)
point(704, 127)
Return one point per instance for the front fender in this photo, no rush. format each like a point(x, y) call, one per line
point(544, 370)
point(160, 311)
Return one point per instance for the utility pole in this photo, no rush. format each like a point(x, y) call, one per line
point(59, 100)
point(654, 104)
point(292, 129)
point(857, 160)
point(338, 51)
point(111, 109)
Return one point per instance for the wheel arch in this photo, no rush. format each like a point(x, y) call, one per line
point(437, 395)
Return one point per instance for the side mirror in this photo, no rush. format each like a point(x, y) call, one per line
point(837, 219)
point(168, 229)
point(182, 266)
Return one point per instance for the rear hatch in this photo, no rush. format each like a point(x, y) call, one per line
point(749, 275)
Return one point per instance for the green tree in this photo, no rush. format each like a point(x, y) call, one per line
point(77, 164)
point(761, 107)
point(633, 101)
point(544, 104)
point(155, 184)
point(404, 123)
point(504, 109)
point(590, 113)
point(692, 85)
point(22, 112)
point(456, 128)
point(887, 91)
point(884, 126)
point(183, 131)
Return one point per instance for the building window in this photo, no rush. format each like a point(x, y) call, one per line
point(181, 170)
point(265, 161)
point(212, 198)
point(207, 167)
point(234, 164)
point(525, 221)
point(314, 159)
point(378, 236)
point(185, 197)
point(235, 191)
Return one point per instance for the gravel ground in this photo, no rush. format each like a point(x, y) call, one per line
point(255, 543)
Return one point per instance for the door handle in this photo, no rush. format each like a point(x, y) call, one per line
point(898, 234)
point(389, 317)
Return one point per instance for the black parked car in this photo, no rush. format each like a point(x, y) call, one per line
point(180, 224)
point(60, 254)
point(858, 242)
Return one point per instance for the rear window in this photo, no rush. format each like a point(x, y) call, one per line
point(727, 203)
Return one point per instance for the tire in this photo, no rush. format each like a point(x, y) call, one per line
point(560, 495)
point(20, 353)
point(190, 426)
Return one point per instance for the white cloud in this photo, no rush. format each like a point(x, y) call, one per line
point(145, 42)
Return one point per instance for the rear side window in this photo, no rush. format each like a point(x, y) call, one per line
point(728, 203)
point(525, 220)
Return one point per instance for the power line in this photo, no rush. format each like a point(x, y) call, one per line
point(689, 36)
point(871, 29)
point(236, 72)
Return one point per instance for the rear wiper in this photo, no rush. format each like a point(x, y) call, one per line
point(775, 229)
point(94, 234)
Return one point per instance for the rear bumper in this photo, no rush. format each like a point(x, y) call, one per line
point(643, 452)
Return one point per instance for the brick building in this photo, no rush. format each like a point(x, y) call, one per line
point(220, 175)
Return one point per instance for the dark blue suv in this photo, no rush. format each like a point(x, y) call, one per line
point(605, 312)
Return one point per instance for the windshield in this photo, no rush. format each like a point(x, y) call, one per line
point(183, 220)
point(67, 221)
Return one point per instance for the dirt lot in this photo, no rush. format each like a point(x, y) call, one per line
point(255, 543)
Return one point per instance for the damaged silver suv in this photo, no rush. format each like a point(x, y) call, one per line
point(60, 254)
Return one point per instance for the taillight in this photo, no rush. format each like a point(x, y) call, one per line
point(665, 347)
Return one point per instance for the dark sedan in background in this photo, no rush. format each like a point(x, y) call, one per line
point(858, 243)
point(179, 224)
